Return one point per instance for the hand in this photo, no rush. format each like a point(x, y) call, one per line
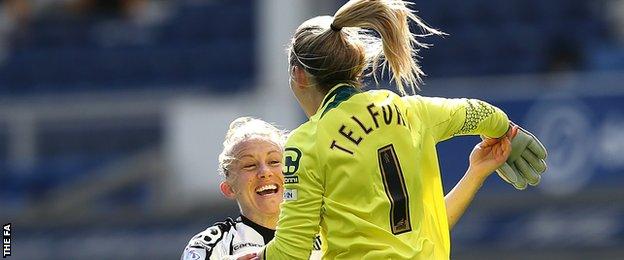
point(527, 161)
point(253, 256)
point(490, 154)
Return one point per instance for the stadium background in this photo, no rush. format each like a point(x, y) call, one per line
point(112, 113)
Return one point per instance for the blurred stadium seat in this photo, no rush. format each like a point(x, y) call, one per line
point(56, 54)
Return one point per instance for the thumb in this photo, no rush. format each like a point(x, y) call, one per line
point(513, 132)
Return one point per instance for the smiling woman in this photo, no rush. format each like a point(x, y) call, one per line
point(251, 162)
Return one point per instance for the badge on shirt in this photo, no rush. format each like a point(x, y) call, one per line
point(292, 157)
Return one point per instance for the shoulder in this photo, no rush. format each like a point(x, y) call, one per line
point(300, 153)
point(302, 132)
point(203, 244)
point(212, 235)
point(412, 98)
point(303, 139)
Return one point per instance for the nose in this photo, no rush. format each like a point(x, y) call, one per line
point(264, 171)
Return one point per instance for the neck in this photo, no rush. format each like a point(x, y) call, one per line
point(312, 102)
point(267, 221)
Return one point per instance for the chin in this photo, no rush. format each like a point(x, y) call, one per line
point(270, 207)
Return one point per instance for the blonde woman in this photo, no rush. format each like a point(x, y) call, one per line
point(363, 171)
point(251, 162)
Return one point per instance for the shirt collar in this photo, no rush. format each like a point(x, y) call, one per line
point(266, 233)
point(330, 94)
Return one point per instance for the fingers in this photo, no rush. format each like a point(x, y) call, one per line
point(538, 148)
point(489, 142)
point(506, 148)
point(510, 175)
point(521, 183)
point(531, 176)
point(538, 164)
point(248, 257)
point(506, 173)
point(535, 145)
point(501, 150)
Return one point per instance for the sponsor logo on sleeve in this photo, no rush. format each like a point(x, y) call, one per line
point(290, 194)
point(292, 157)
point(195, 254)
point(237, 247)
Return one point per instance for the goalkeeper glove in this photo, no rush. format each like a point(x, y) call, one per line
point(526, 162)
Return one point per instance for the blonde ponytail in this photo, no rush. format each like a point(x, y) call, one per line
point(340, 48)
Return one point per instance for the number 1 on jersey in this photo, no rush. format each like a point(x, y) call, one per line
point(394, 185)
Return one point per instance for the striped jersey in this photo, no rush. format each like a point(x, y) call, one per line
point(231, 239)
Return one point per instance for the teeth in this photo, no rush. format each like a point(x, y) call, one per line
point(266, 187)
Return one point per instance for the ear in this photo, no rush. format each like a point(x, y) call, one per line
point(300, 77)
point(227, 191)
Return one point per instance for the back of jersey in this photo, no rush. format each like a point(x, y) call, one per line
point(377, 204)
point(365, 167)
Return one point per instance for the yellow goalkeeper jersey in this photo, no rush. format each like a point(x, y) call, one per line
point(363, 172)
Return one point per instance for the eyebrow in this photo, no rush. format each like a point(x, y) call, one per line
point(246, 155)
point(273, 151)
point(249, 155)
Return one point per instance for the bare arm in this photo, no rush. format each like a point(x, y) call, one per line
point(486, 157)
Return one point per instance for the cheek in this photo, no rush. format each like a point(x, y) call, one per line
point(278, 172)
point(241, 184)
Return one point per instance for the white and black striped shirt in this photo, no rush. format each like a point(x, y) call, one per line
point(231, 239)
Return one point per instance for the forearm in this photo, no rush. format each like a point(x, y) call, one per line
point(458, 199)
point(484, 119)
point(271, 251)
point(454, 117)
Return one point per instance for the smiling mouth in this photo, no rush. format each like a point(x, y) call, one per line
point(266, 190)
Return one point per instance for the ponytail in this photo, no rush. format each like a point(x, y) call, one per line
point(339, 48)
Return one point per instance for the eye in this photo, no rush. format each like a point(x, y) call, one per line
point(250, 166)
point(275, 163)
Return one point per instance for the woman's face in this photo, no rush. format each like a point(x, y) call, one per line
point(255, 177)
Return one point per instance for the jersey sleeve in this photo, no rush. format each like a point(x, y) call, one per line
point(300, 212)
point(459, 116)
point(204, 246)
point(192, 253)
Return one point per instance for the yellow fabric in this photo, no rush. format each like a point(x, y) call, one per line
point(334, 182)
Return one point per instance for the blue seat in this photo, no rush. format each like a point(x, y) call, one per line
point(192, 48)
point(606, 58)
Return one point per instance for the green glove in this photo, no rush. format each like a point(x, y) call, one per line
point(526, 162)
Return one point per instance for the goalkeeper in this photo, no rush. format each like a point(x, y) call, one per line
point(363, 171)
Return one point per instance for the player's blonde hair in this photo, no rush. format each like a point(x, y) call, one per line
point(340, 48)
point(243, 129)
